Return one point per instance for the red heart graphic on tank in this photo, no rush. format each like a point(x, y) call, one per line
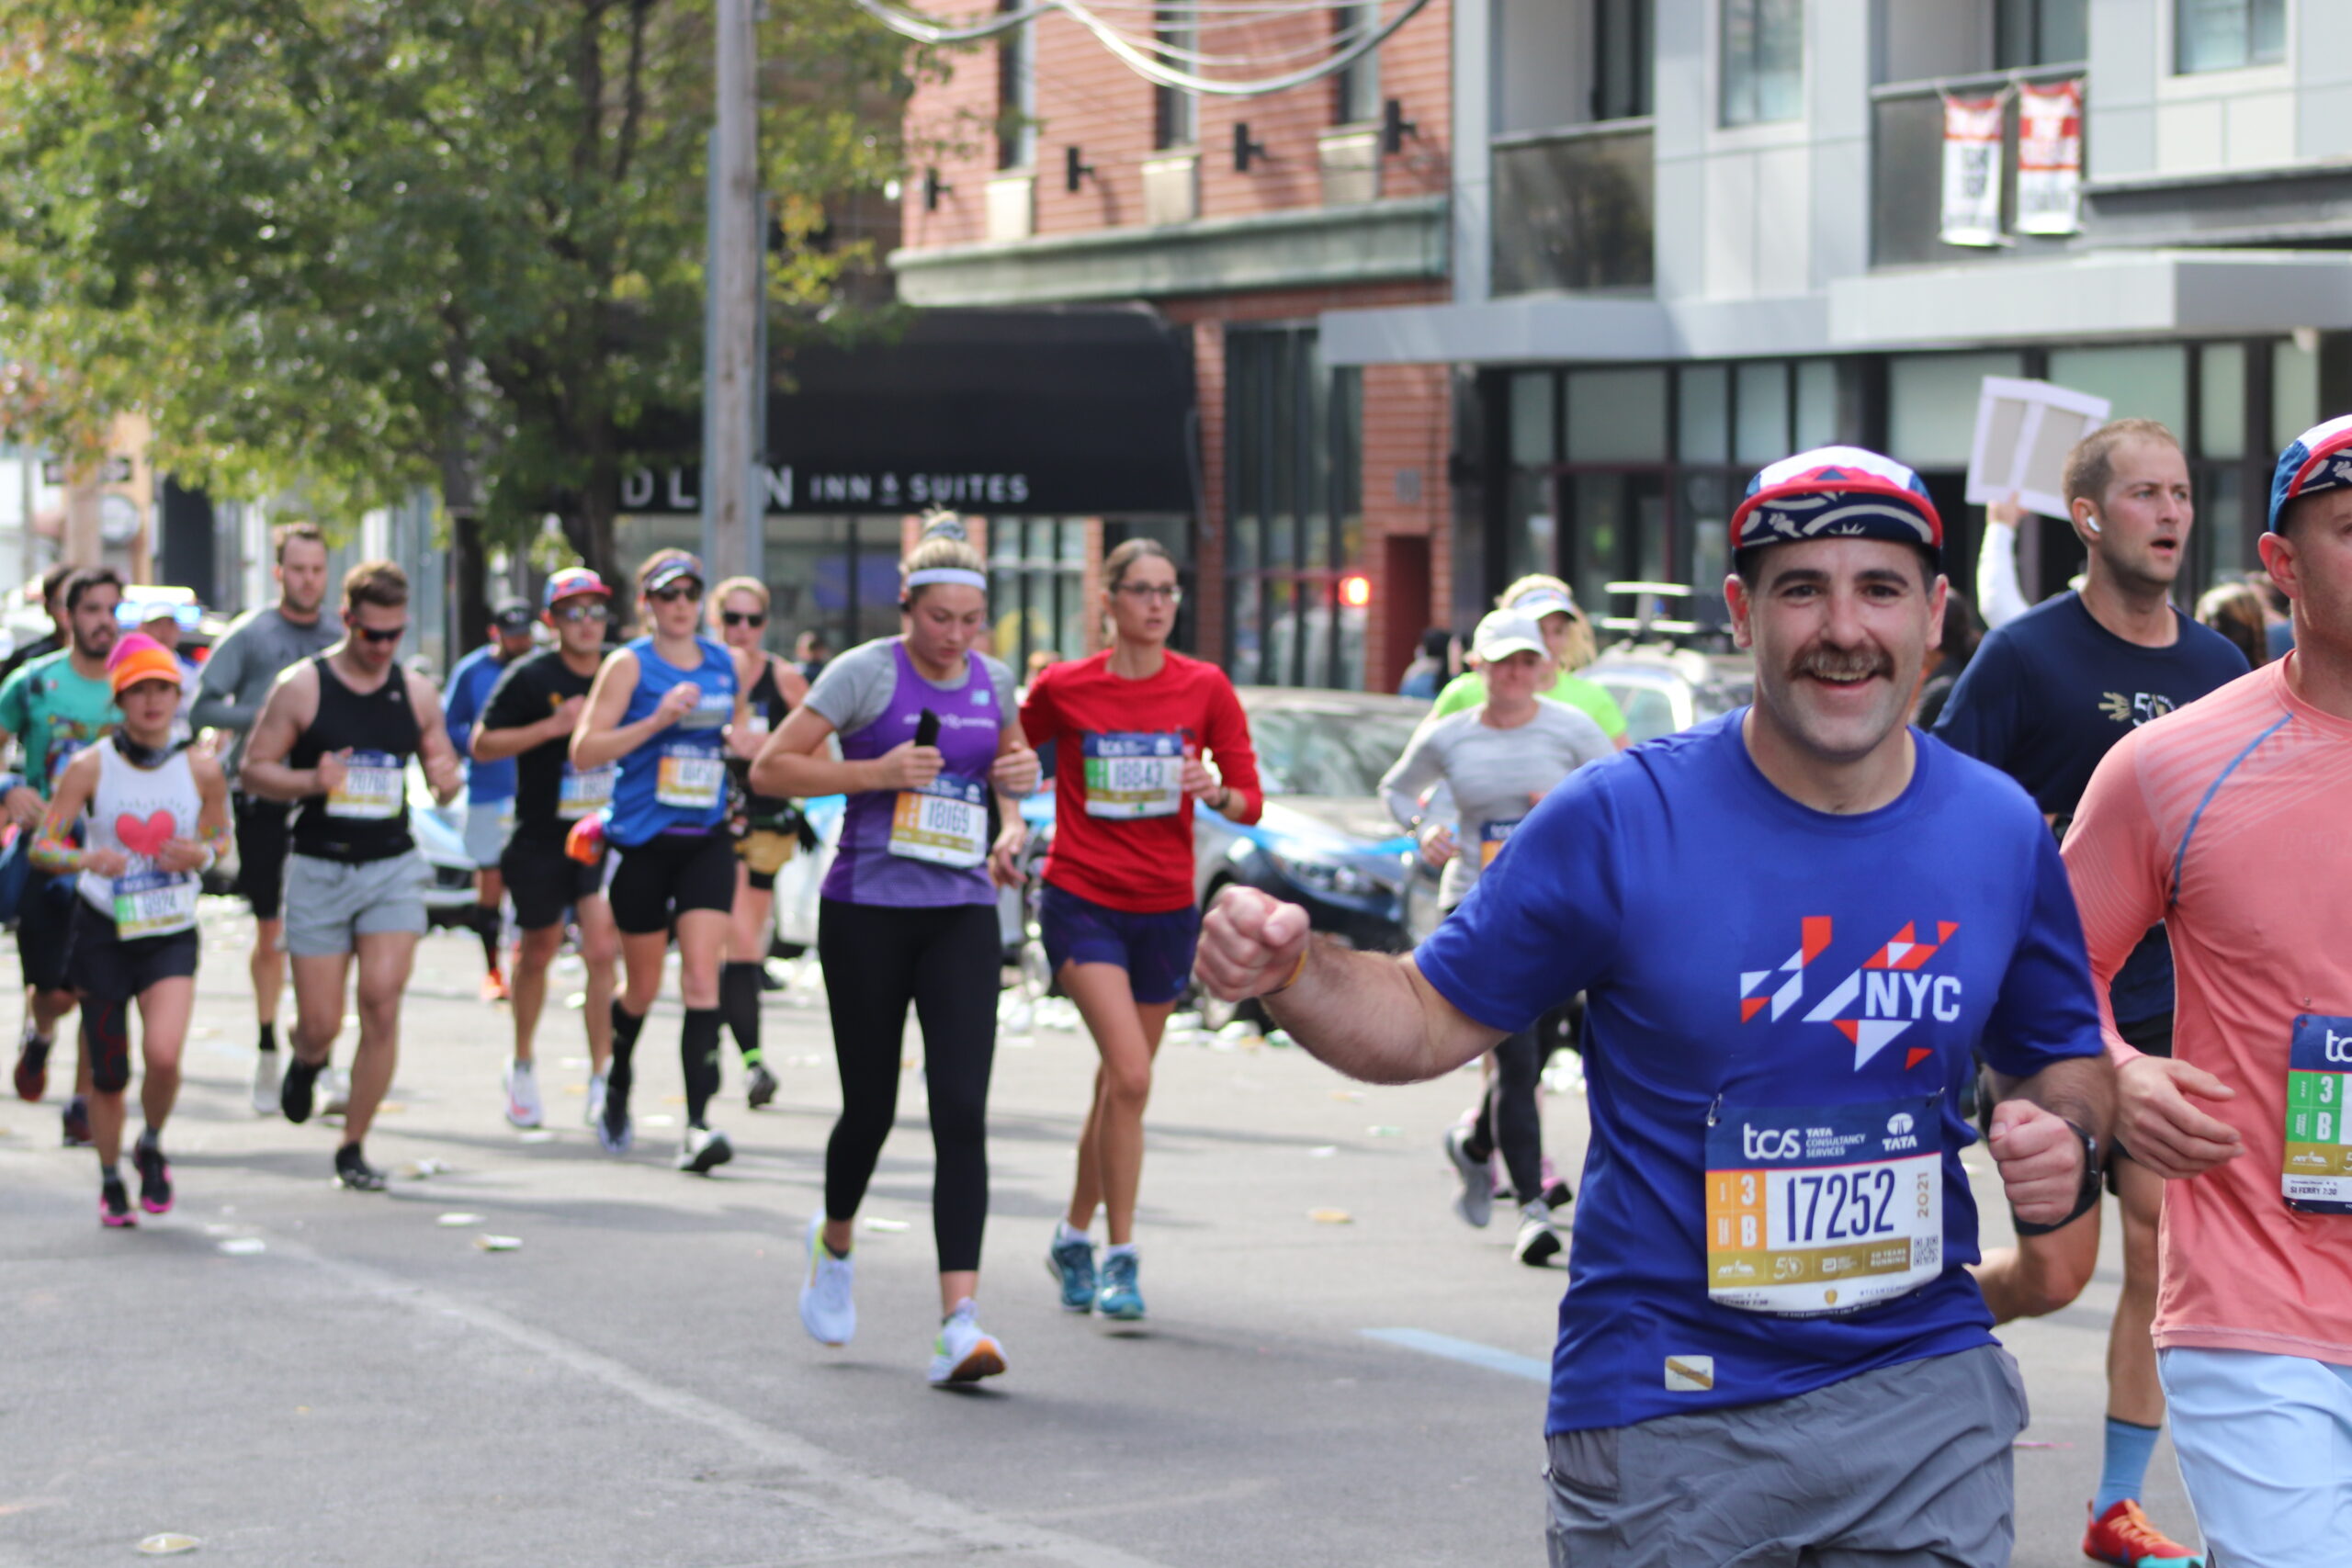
point(144, 837)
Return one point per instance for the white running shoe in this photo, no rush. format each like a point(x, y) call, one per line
point(595, 1099)
point(1476, 1202)
point(703, 1150)
point(523, 1108)
point(335, 1089)
point(265, 1083)
point(827, 1311)
point(1537, 1243)
point(963, 1353)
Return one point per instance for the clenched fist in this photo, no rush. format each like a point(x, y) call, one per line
point(1250, 943)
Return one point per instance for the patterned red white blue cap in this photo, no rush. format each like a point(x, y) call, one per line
point(2319, 459)
point(1836, 493)
point(573, 581)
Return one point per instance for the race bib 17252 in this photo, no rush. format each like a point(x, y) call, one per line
point(1134, 775)
point(1814, 1210)
point(2315, 1173)
point(373, 784)
point(945, 822)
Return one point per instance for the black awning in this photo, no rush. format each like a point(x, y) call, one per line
point(1083, 411)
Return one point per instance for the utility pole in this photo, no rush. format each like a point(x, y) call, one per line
point(733, 500)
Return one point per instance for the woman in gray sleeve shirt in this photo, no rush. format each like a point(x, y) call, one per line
point(1497, 759)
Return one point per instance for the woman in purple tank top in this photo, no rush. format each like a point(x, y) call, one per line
point(929, 734)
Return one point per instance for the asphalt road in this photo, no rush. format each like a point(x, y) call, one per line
point(367, 1386)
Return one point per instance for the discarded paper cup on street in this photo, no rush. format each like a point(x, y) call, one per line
point(498, 1243)
point(1330, 1216)
point(244, 1245)
point(459, 1222)
point(168, 1545)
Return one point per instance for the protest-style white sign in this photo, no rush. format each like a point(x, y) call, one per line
point(2024, 430)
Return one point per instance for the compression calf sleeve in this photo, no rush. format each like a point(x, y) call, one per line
point(698, 1055)
point(738, 1000)
point(617, 1076)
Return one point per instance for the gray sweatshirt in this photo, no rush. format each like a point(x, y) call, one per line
point(259, 647)
point(1496, 776)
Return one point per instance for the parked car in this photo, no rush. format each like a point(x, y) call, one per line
point(1664, 689)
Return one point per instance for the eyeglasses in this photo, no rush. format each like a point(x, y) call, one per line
point(744, 617)
point(672, 594)
point(382, 634)
point(583, 613)
point(1163, 593)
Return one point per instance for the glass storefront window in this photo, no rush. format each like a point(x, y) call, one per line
point(1816, 404)
point(1702, 420)
point(2220, 399)
point(1762, 411)
point(2147, 381)
point(1293, 499)
point(1931, 414)
point(1616, 416)
point(2294, 392)
point(1530, 418)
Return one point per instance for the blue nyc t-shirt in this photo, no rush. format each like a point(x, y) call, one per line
point(470, 687)
point(1740, 952)
point(2045, 697)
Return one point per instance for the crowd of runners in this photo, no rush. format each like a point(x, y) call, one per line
point(1807, 952)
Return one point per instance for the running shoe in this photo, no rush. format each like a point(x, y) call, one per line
point(827, 1310)
point(1121, 1297)
point(1556, 1193)
point(266, 1102)
point(154, 1173)
point(334, 1085)
point(2124, 1536)
point(1072, 1263)
point(352, 1171)
point(114, 1205)
point(522, 1081)
point(1538, 1243)
point(74, 1122)
point(294, 1095)
point(704, 1150)
point(1476, 1202)
point(615, 1131)
point(963, 1353)
point(595, 1099)
point(759, 1086)
point(493, 987)
point(32, 1066)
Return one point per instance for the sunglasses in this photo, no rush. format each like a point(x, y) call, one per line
point(672, 594)
point(1166, 592)
point(744, 617)
point(386, 634)
point(582, 613)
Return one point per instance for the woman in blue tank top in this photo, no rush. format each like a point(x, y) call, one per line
point(929, 734)
point(668, 709)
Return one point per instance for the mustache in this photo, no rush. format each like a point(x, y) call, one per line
point(1842, 663)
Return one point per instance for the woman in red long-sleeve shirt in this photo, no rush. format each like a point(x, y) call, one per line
point(1132, 727)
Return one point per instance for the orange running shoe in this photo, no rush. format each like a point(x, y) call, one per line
point(493, 987)
point(2124, 1536)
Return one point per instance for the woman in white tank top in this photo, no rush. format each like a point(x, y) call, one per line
point(140, 819)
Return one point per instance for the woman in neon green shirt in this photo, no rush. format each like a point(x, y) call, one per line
point(1569, 637)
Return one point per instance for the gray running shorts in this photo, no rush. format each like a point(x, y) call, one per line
point(330, 903)
point(1904, 1467)
point(488, 824)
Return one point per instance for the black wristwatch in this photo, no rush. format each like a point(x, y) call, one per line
point(2086, 1200)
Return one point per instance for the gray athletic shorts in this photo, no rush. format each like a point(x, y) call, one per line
point(488, 824)
point(1904, 1467)
point(331, 903)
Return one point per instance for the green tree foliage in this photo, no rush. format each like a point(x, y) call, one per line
point(353, 246)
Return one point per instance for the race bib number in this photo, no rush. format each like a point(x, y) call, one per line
point(1134, 775)
point(373, 785)
point(579, 794)
point(154, 903)
point(1813, 1211)
point(945, 822)
point(1491, 839)
point(2316, 1173)
point(689, 779)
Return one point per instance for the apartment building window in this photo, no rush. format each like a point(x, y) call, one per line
point(1620, 59)
point(1763, 60)
point(1016, 94)
point(2027, 33)
point(1355, 90)
point(2226, 35)
point(1175, 113)
point(1294, 511)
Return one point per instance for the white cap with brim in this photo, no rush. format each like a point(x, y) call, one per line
point(1505, 632)
point(1537, 603)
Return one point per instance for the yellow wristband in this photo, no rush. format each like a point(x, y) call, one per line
point(1296, 971)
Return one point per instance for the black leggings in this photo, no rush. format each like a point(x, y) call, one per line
point(1508, 1117)
point(876, 959)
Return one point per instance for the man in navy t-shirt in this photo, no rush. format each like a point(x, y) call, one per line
point(2045, 697)
point(1793, 926)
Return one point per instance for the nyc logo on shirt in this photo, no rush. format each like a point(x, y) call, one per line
point(1876, 1003)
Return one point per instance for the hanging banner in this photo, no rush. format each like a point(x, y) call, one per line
point(1972, 211)
point(2050, 158)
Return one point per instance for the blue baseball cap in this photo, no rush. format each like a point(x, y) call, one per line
point(1836, 493)
point(2319, 459)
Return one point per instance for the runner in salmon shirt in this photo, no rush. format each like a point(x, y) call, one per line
point(2227, 821)
point(1119, 917)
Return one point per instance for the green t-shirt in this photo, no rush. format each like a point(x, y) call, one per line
point(54, 711)
point(1468, 689)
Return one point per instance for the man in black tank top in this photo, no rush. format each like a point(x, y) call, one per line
point(335, 739)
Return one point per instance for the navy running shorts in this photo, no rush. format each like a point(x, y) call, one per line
point(1156, 950)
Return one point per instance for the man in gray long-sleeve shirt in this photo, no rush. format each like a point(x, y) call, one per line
point(245, 665)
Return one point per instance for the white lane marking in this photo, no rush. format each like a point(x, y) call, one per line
point(1466, 1350)
point(876, 1499)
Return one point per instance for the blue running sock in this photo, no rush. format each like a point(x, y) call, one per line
point(2129, 1448)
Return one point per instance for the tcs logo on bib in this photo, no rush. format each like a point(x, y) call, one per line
point(1877, 1002)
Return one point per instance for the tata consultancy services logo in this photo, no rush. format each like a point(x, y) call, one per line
point(1874, 1005)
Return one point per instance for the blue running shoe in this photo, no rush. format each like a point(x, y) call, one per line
point(1072, 1263)
point(1120, 1298)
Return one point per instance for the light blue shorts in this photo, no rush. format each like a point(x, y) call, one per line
point(2265, 1450)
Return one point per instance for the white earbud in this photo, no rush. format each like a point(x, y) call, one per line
point(2090, 521)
